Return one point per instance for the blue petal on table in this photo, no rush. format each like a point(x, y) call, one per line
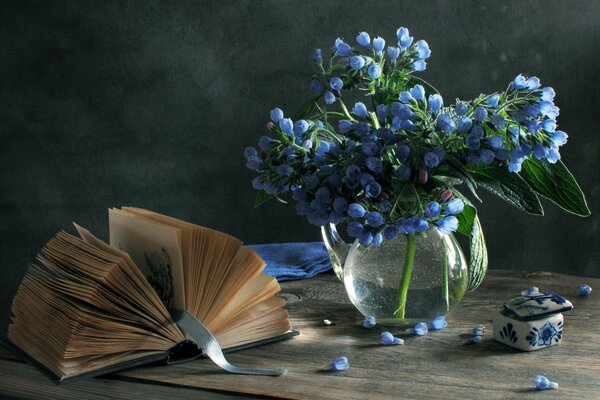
point(290, 261)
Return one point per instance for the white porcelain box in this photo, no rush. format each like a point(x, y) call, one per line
point(531, 322)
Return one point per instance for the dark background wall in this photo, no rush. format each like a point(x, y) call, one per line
point(151, 104)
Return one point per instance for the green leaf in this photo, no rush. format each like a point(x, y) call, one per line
point(478, 260)
point(466, 219)
point(261, 197)
point(556, 183)
point(509, 186)
point(305, 109)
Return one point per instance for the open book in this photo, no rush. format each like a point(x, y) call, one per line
point(88, 308)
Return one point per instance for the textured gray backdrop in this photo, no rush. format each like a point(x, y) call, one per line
point(151, 104)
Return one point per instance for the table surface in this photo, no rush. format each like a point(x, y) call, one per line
point(435, 366)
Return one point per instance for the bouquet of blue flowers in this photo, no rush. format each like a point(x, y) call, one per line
point(392, 164)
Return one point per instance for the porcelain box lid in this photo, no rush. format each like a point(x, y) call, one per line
point(537, 305)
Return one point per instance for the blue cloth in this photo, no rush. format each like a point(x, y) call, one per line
point(289, 261)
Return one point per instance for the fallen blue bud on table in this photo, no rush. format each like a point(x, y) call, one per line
point(531, 291)
point(340, 364)
point(542, 383)
point(479, 330)
point(473, 340)
point(438, 323)
point(585, 290)
point(419, 329)
point(387, 339)
point(369, 322)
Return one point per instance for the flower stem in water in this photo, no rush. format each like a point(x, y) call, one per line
point(409, 260)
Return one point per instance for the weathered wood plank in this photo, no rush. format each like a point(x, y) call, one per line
point(433, 367)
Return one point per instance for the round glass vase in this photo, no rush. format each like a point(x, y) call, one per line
point(410, 279)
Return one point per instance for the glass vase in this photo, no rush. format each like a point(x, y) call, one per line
point(413, 278)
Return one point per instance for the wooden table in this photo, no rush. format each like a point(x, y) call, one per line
point(437, 366)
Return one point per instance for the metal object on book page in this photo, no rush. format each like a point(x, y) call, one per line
point(211, 347)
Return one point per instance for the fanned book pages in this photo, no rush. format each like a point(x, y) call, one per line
point(86, 308)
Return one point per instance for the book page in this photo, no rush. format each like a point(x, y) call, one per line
point(156, 250)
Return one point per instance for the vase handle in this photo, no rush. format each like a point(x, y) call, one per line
point(337, 248)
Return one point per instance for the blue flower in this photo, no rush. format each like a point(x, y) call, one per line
point(464, 124)
point(329, 97)
point(585, 290)
point(420, 224)
point(548, 94)
point(345, 126)
point(454, 206)
point(322, 195)
point(405, 96)
point(393, 53)
point(374, 219)
point(423, 49)
point(553, 155)
point(340, 205)
point(353, 172)
point(539, 151)
point(360, 110)
point(419, 329)
point(373, 189)
point(357, 62)
point(311, 182)
point(366, 238)
point(336, 83)
point(445, 123)
point(498, 120)
point(378, 45)
point(276, 115)
point(418, 92)
point(387, 339)
point(435, 103)
point(391, 232)
point(355, 229)
point(461, 109)
point(315, 86)
point(432, 209)
point(370, 149)
point(265, 143)
point(356, 210)
point(514, 166)
point(533, 83)
point(287, 126)
point(402, 152)
point(382, 112)
point(447, 224)
point(363, 39)
point(549, 125)
point(542, 383)
point(492, 101)
point(257, 183)
point(479, 114)
point(519, 82)
point(284, 170)
point(404, 38)
point(374, 164)
point(318, 56)
point(340, 364)
point(301, 126)
point(341, 48)
point(472, 142)
point(418, 65)
point(543, 107)
point(369, 322)
point(431, 160)
point(401, 111)
point(487, 156)
point(374, 71)
point(438, 323)
point(403, 173)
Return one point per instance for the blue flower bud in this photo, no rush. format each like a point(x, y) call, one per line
point(340, 364)
point(318, 56)
point(447, 224)
point(356, 210)
point(532, 126)
point(519, 82)
point(396, 122)
point(374, 164)
point(393, 53)
point(315, 86)
point(373, 189)
point(257, 184)
point(407, 125)
point(548, 94)
point(329, 97)
point(419, 329)
point(420, 225)
point(276, 115)
point(403, 173)
point(473, 340)
point(336, 83)
point(374, 219)
point(374, 71)
point(435, 103)
point(345, 126)
point(418, 65)
point(369, 322)
point(378, 45)
point(495, 142)
point(387, 339)
point(401, 111)
point(533, 83)
point(418, 92)
point(301, 126)
point(461, 109)
point(432, 209)
point(357, 62)
point(454, 206)
point(549, 125)
point(360, 110)
point(472, 142)
point(585, 290)
point(250, 151)
point(382, 112)
point(402, 152)
point(438, 323)
point(366, 238)
point(559, 138)
point(405, 96)
point(543, 107)
point(404, 38)
point(341, 48)
point(498, 120)
point(542, 383)
point(446, 123)
point(391, 232)
point(287, 126)
point(431, 160)
point(479, 114)
point(464, 124)
point(284, 170)
point(363, 39)
point(423, 49)
point(492, 101)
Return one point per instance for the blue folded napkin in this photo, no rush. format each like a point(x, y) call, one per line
point(289, 261)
